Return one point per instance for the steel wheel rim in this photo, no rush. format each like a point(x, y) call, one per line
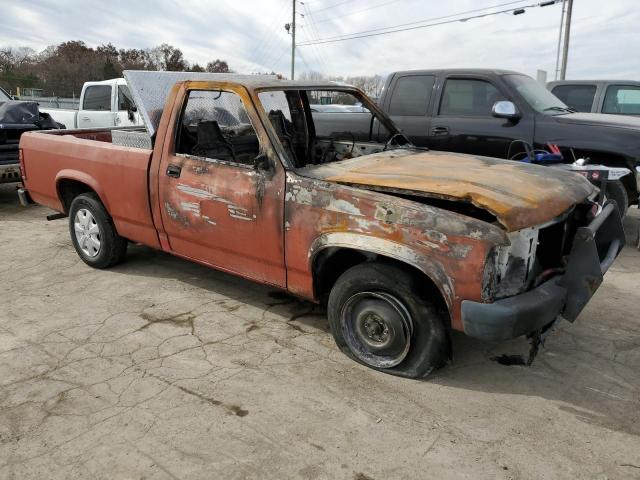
point(87, 232)
point(377, 327)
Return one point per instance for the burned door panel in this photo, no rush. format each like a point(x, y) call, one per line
point(215, 205)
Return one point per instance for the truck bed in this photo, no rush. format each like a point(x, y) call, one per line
point(118, 174)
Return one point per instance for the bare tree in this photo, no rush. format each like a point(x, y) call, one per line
point(62, 69)
point(311, 76)
point(218, 66)
point(168, 57)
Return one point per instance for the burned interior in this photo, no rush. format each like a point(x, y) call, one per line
point(215, 125)
point(292, 114)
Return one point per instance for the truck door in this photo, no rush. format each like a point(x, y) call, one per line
point(96, 107)
point(216, 206)
point(408, 105)
point(463, 121)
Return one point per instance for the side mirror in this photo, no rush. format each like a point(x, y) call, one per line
point(505, 109)
point(261, 162)
point(15, 97)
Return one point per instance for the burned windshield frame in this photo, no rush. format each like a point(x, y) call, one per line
point(293, 130)
point(536, 95)
point(369, 105)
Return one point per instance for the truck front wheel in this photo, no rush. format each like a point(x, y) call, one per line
point(93, 233)
point(380, 316)
point(615, 190)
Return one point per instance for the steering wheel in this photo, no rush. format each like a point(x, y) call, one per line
point(393, 138)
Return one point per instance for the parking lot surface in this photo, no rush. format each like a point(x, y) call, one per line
point(160, 368)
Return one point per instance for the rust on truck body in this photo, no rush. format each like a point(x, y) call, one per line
point(518, 194)
point(447, 247)
point(270, 224)
point(235, 204)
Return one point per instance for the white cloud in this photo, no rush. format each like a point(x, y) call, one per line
point(251, 35)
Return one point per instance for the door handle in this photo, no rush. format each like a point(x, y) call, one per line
point(440, 131)
point(87, 119)
point(174, 171)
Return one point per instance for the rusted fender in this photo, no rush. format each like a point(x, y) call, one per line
point(449, 248)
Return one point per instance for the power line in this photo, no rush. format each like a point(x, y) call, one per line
point(329, 19)
point(396, 29)
point(475, 10)
point(314, 33)
point(333, 6)
point(266, 49)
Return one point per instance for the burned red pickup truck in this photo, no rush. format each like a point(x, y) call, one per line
point(402, 244)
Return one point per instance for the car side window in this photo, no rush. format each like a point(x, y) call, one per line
point(97, 97)
point(579, 97)
point(468, 97)
point(215, 125)
point(622, 99)
point(411, 95)
point(125, 102)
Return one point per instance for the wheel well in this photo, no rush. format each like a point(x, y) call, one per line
point(70, 189)
point(332, 262)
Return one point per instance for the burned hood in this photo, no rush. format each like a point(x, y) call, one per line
point(520, 195)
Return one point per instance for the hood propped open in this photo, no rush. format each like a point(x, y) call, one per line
point(520, 195)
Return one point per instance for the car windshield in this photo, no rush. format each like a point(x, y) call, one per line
point(4, 95)
point(538, 97)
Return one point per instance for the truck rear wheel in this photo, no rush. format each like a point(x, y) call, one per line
point(93, 233)
point(380, 318)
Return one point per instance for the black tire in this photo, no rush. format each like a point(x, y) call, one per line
point(112, 247)
point(617, 191)
point(386, 293)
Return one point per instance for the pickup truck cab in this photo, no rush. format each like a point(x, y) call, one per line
point(616, 97)
point(453, 110)
point(102, 104)
point(231, 172)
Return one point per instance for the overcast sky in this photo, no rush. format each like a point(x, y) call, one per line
point(250, 35)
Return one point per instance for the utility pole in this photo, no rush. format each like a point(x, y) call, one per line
point(557, 71)
point(567, 34)
point(293, 42)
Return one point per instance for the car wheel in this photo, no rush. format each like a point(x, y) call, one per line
point(93, 233)
point(616, 191)
point(380, 316)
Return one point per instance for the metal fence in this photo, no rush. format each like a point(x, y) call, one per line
point(54, 102)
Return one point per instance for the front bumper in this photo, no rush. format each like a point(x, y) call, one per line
point(10, 173)
point(594, 249)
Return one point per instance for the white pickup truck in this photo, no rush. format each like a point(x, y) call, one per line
point(102, 104)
